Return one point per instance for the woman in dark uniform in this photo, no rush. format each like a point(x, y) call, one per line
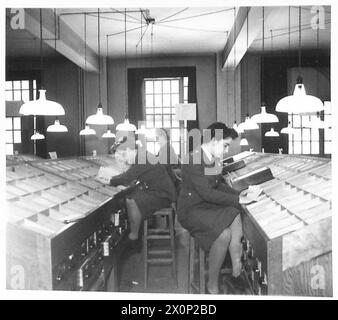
point(209, 209)
point(159, 193)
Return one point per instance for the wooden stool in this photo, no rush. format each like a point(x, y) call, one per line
point(160, 256)
point(202, 262)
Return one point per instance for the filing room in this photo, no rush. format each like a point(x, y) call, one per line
point(169, 150)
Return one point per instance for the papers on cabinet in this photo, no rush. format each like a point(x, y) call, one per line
point(106, 173)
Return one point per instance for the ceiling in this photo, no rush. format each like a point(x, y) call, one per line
point(176, 31)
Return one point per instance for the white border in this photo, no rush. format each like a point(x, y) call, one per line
point(24, 294)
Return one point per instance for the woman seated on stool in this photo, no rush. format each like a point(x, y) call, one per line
point(159, 193)
point(209, 209)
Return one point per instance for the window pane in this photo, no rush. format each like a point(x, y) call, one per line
point(25, 84)
point(9, 137)
point(16, 85)
point(176, 146)
point(297, 135)
point(149, 110)
point(328, 134)
point(297, 147)
point(149, 87)
point(290, 148)
point(327, 107)
point(17, 123)
point(158, 86)
point(25, 95)
point(9, 96)
point(166, 86)
point(149, 100)
point(175, 134)
point(296, 120)
point(34, 84)
point(9, 149)
point(327, 147)
point(167, 110)
point(315, 134)
point(175, 86)
point(150, 118)
point(17, 95)
point(8, 85)
point(315, 147)
point(34, 94)
point(175, 99)
point(306, 147)
point(158, 110)
point(158, 100)
point(306, 134)
point(17, 136)
point(185, 81)
point(290, 118)
point(9, 124)
point(328, 119)
point(175, 124)
point(166, 100)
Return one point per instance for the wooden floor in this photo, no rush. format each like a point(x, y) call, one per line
point(160, 278)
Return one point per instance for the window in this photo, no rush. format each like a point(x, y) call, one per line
point(13, 133)
point(328, 131)
point(161, 97)
point(309, 141)
point(17, 90)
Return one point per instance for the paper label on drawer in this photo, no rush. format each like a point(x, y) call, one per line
point(106, 249)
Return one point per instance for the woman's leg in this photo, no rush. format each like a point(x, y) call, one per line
point(134, 217)
point(217, 254)
point(235, 247)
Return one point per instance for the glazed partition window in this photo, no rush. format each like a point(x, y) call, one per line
point(311, 141)
point(160, 98)
point(17, 90)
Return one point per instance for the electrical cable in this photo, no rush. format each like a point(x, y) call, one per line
point(198, 15)
point(173, 15)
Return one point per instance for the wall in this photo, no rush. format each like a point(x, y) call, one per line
point(235, 97)
point(205, 83)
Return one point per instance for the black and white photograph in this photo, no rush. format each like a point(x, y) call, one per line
point(178, 148)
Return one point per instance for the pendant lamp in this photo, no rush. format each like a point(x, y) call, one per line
point(87, 131)
point(244, 142)
point(99, 118)
point(126, 125)
point(37, 136)
point(237, 128)
point(288, 130)
point(271, 133)
point(41, 106)
point(263, 116)
point(57, 127)
point(108, 134)
point(248, 124)
point(299, 102)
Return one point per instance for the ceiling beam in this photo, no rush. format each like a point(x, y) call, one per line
point(68, 43)
point(238, 43)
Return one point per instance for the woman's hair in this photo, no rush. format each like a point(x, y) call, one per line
point(227, 132)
